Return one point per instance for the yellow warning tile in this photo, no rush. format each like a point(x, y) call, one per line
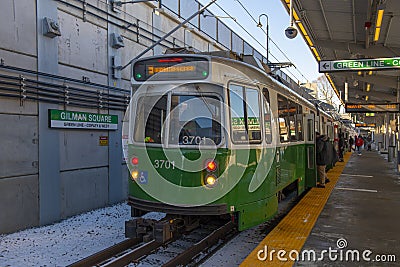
point(292, 232)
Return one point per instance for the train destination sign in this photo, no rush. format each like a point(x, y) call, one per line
point(358, 125)
point(359, 64)
point(368, 108)
point(171, 68)
point(82, 120)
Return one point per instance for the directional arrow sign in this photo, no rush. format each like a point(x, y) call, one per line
point(359, 64)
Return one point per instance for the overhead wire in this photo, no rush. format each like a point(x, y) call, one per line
point(269, 38)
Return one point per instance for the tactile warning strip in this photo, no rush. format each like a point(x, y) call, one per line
point(292, 232)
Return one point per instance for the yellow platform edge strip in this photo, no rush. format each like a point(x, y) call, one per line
point(292, 232)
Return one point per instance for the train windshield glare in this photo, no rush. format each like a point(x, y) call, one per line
point(194, 119)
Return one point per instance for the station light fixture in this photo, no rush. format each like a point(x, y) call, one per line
point(267, 31)
point(378, 23)
point(368, 87)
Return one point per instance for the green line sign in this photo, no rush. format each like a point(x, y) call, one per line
point(359, 64)
point(82, 120)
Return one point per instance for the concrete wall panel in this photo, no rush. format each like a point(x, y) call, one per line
point(78, 74)
point(19, 145)
point(82, 44)
point(10, 105)
point(128, 54)
point(18, 26)
point(19, 198)
point(83, 190)
point(81, 149)
point(141, 11)
point(78, 13)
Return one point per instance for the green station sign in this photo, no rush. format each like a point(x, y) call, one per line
point(359, 64)
point(82, 120)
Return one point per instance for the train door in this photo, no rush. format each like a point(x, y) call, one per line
point(311, 167)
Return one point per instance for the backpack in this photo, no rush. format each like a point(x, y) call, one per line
point(359, 142)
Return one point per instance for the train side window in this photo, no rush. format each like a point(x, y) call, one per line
point(236, 103)
point(253, 115)
point(245, 114)
point(310, 129)
point(282, 119)
point(151, 118)
point(292, 110)
point(267, 117)
point(299, 123)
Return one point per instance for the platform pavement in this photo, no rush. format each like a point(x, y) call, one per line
point(362, 212)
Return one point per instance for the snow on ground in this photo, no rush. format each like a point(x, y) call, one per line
point(234, 252)
point(63, 243)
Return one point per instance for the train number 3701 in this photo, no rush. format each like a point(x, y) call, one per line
point(163, 164)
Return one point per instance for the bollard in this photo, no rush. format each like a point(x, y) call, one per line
point(391, 150)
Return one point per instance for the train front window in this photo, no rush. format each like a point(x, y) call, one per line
point(150, 118)
point(195, 120)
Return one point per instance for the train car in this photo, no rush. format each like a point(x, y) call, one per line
point(209, 135)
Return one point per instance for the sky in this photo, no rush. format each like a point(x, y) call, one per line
point(295, 49)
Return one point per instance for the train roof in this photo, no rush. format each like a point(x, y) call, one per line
point(249, 62)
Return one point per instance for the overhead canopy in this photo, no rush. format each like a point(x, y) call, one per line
point(354, 29)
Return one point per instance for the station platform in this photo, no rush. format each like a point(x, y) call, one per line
point(354, 221)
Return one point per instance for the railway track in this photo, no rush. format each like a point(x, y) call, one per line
point(191, 248)
point(177, 251)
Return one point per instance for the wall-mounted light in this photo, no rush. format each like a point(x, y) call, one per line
point(368, 87)
point(378, 23)
point(366, 98)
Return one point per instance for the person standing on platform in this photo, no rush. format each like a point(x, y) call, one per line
point(351, 143)
point(359, 144)
point(322, 158)
point(341, 146)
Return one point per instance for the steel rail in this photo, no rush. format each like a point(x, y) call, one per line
point(135, 254)
point(187, 256)
point(106, 253)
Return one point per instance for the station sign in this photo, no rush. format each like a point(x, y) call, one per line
point(358, 125)
point(82, 120)
point(371, 108)
point(359, 64)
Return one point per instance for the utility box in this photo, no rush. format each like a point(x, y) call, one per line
point(51, 28)
point(117, 41)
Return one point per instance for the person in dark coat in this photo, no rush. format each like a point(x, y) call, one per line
point(351, 143)
point(341, 146)
point(322, 158)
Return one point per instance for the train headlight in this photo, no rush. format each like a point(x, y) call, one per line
point(135, 174)
point(210, 180)
point(211, 165)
